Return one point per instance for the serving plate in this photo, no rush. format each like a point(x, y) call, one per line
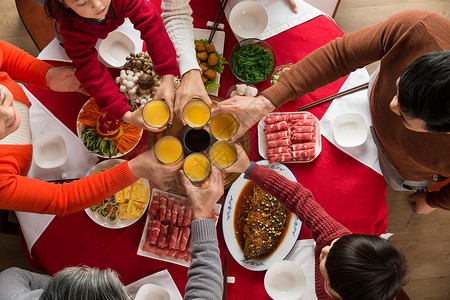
point(219, 43)
point(228, 215)
point(80, 127)
point(97, 218)
point(262, 143)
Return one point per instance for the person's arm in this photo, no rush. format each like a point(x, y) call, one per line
point(18, 284)
point(21, 193)
point(205, 279)
point(439, 199)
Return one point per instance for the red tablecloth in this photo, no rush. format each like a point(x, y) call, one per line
point(351, 192)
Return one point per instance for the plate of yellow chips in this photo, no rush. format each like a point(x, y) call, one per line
point(124, 207)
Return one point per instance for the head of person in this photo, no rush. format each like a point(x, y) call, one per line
point(84, 283)
point(9, 117)
point(363, 267)
point(423, 94)
point(89, 9)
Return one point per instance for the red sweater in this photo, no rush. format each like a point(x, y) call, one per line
point(300, 201)
point(18, 192)
point(396, 42)
point(81, 35)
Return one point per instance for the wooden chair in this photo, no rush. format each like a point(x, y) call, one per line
point(39, 26)
point(402, 296)
point(5, 225)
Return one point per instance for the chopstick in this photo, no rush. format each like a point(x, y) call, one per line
point(217, 20)
point(332, 97)
point(225, 277)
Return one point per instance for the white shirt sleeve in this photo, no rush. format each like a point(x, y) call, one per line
point(178, 21)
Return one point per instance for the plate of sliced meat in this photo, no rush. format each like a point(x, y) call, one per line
point(167, 231)
point(292, 137)
point(257, 229)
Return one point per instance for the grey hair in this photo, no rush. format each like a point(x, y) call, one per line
point(84, 283)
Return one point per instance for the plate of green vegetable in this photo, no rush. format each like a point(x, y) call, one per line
point(252, 60)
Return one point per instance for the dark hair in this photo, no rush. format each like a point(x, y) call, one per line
point(364, 266)
point(56, 9)
point(84, 283)
point(424, 90)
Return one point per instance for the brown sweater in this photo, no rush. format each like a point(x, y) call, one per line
point(397, 42)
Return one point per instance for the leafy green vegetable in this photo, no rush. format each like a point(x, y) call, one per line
point(252, 63)
point(218, 68)
point(97, 145)
point(212, 84)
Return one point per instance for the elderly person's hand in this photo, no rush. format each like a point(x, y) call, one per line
point(242, 163)
point(191, 86)
point(62, 79)
point(166, 91)
point(419, 202)
point(146, 165)
point(248, 110)
point(293, 6)
point(204, 198)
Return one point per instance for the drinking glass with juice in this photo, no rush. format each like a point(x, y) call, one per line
point(168, 150)
point(223, 154)
point(223, 126)
point(196, 167)
point(156, 113)
point(196, 113)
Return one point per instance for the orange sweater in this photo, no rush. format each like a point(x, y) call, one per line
point(18, 192)
point(396, 42)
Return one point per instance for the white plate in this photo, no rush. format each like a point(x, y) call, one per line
point(248, 19)
point(152, 291)
point(350, 130)
point(105, 222)
point(81, 126)
point(115, 48)
point(49, 151)
point(166, 258)
point(287, 243)
point(262, 145)
point(219, 43)
point(285, 280)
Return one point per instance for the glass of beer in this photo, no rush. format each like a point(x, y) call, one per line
point(196, 167)
point(168, 150)
point(223, 154)
point(223, 126)
point(156, 113)
point(196, 113)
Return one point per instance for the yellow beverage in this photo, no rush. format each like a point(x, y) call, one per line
point(196, 113)
point(196, 167)
point(168, 150)
point(222, 154)
point(156, 113)
point(223, 126)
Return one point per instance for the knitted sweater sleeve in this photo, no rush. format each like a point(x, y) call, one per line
point(18, 284)
point(342, 56)
point(21, 66)
point(178, 21)
point(205, 273)
point(21, 193)
point(300, 201)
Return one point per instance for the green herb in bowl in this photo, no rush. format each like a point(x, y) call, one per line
point(252, 61)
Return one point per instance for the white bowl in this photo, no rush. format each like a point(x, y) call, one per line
point(151, 291)
point(115, 48)
point(248, 19)
point(285, 280)
point(350, 130)
point(49, 151)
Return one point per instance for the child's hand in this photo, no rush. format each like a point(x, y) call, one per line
point(166, 91)
point(135, 118)
point(62, 79)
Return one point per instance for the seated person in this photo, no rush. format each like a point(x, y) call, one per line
point(347, 265)
point(408, 97)
point(18, 192)
point(74, 283)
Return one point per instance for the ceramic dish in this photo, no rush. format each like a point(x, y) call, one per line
point(262, 143)
point(285, 280)
point(152, 291)
point(81, 126)
point(49, 151)
point(115, 48)
point(105, 222)
point(350, 130)
point(248, 19)
point(228, 216)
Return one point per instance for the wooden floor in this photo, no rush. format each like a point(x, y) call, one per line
point(425, 240)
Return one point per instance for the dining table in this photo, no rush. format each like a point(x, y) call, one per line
point(350, 191)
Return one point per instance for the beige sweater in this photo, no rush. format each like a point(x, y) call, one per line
point(397, 42)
